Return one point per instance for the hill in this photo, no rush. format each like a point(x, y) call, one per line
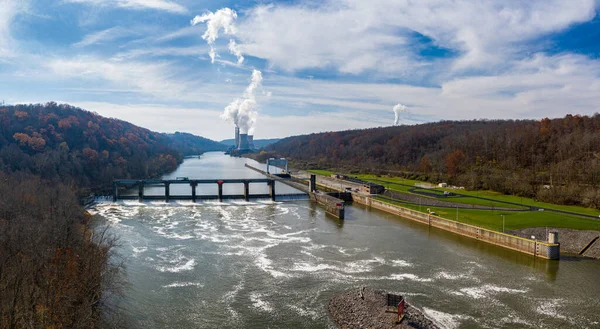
point(189, 144)
point(82, 149)
point(553, 160)
point(258, 143)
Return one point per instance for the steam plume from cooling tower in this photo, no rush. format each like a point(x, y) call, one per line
point(398, 108)
point(235, 49)
point(222, 19)
point(242, 112)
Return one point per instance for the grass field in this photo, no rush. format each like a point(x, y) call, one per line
point(513, 220)
point(529, 202)
point(322, 172)
point(491, 219)
point(496, 196)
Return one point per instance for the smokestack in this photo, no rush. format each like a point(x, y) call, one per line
point(251, 142)
point(237, 137)
point(243, 142)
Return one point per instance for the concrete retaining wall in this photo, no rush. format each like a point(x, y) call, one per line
point(528, 246)
point(332, 205)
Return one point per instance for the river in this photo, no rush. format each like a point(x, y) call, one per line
point(262, 264)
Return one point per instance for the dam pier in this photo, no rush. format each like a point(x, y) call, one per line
point(120, 184)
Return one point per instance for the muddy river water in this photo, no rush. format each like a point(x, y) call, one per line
point(264, 264)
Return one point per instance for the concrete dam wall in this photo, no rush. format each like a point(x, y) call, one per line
point(528, 246)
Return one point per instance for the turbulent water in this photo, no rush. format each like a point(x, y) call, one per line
point(271, 265)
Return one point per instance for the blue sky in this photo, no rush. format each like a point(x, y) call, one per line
point(326, 65)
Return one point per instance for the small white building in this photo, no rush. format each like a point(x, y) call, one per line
point(444, 185)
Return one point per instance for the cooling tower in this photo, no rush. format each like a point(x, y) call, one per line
point(251, 142)
point(237, 137)
point(243, 142)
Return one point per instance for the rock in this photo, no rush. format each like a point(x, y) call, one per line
point(367, 309)
point(571, 241)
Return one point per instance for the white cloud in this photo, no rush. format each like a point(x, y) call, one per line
point(162, 118)
point(158, 79)
point(206, 122)
point(111, 34)
point(164, 5)
point(160, 51)
point(356, 35)
point(8, 10)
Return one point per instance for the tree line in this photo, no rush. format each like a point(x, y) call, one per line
point(54, 271)
point(552, 160)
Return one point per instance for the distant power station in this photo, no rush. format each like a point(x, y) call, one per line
point(243, 142)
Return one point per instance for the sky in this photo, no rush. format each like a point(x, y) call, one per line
point(326, 65)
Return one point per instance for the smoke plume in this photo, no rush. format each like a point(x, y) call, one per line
point(242, 112)
point(222, 19)
point(398, 108)
point(235, 49)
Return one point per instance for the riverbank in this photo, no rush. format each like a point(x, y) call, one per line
point(571, 241)
point(366, 308)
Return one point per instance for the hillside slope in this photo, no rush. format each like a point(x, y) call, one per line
point(258, 143)
point(555, 160)
point(83, 149)
point(189, 144)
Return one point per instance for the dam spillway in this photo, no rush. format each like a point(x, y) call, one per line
point(276, 264)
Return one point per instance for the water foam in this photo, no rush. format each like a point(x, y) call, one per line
point(260, 304)
point(445, 320)
point(549, 307)
point(184, 284)
point(187, 266)
point(488, 290)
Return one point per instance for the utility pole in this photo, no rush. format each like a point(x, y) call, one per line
point(502, 223)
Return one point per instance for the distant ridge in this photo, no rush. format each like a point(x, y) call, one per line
point(552, 160)
point(59, 142)
point(258, 143)
point(189, 144)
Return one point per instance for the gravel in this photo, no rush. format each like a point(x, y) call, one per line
point(349, 310)
point(571, 241)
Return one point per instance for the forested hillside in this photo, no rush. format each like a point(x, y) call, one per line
point(54, 272)
point(555, 160)
point(189, 144)
point(258, 143)
point(83, 149)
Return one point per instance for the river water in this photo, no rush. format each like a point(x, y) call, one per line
point(261, 264)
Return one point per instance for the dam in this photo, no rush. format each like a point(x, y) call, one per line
point(259, 263)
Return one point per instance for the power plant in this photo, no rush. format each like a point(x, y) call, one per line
point(243, 143)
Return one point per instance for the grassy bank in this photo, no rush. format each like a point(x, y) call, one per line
point(322, 172)
point(490, 219)
point(513, 220)
point(502, 200)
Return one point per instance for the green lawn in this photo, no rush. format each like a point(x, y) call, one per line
point(397, 180)
point(529, 202)
point(392, 181)
point(513, 220)
point(322, 172)
point(398, 187)
point(403, 185)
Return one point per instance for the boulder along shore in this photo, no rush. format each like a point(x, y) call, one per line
point(571, 241)
point(366, 308)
